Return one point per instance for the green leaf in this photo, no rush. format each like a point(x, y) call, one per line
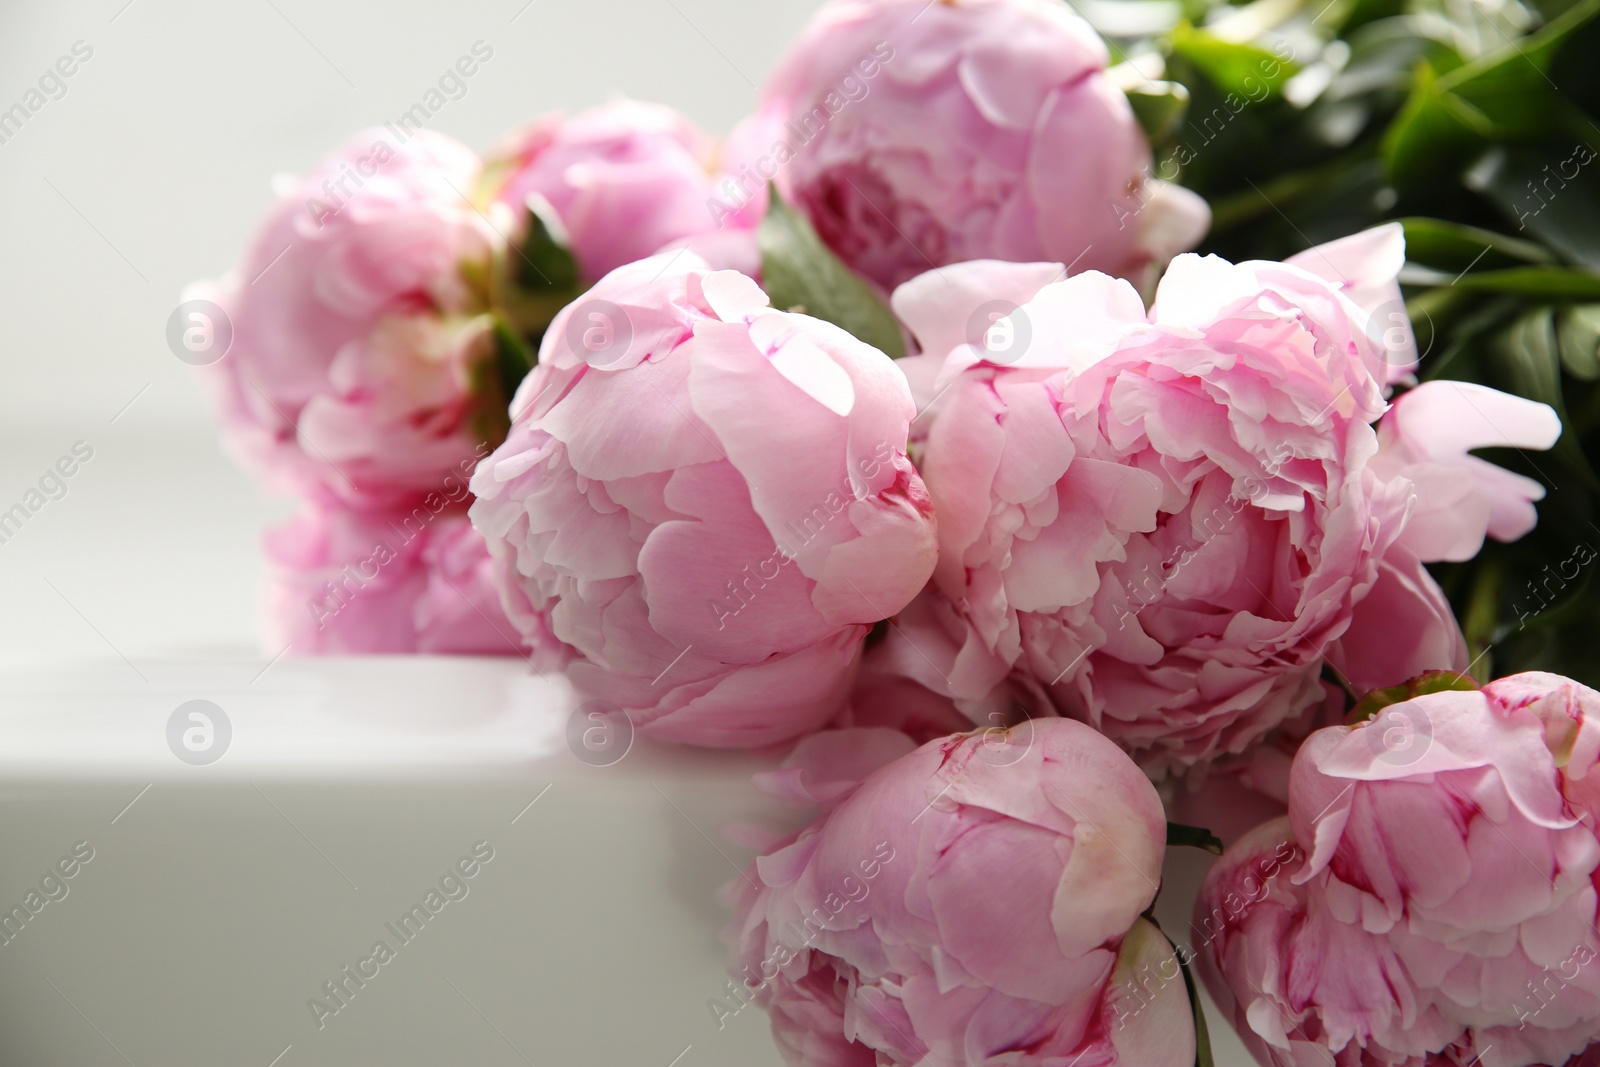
point(1551, 8)
point(1193, 837)
point(1159, 107)
point(1455, 247)
point(1569, 610)
point(1246, 69)
point(1383, 56)
point(1529, 358)
point(493, 380)
point(1265, 199)
point(1434, 135)
point(800, 273)
point(1543, 283)
point(1451, 322)
point(1579, 336)
point(513, 356)
point(1550, 190)
point(1458, 326)
point(1451, 119)
point(1360, 13)
point(1583, 403)
point(1511, 85)
point(1480, 622)
point(544, 263)
point(539, 277)
point(1431, 682)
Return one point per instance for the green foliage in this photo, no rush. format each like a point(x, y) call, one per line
point(800, 273)
point(1432, 682)
point(1233, 68)
point(1159, 107)
point(1193, 837)
point(1478, 126)
point(543, 276)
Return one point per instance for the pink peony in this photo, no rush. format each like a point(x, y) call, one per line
point(976, 901)
point(1164, 518)
point(1426, 436)
point(360, 366)
point(905, 681)
point(344, 582)
point(1365, 267)
point(705, 504)
point(917, 134)
point(1431, 895)
point(1403, 627)
point(625, 180)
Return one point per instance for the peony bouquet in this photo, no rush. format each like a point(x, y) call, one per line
point(1052, 436)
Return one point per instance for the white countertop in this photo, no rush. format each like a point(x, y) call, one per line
point(223, 894)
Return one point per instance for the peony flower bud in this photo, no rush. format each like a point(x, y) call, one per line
point(976, 901)
point(360, 367)
point(1430, 896)
point(343, 582)
point(625, 180)
point(917, 134)
point(705, 504)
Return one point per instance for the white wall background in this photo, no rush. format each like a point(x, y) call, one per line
point(153, 167)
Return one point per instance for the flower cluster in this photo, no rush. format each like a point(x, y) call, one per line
point(902, 429)
point(379, 324)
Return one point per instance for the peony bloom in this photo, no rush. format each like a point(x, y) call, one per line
point(705, 504)
point(1163, 518)
point(976, 901)
point(360, 360)
point(625, 180)
point(917, 134)
point(344, 582)
point(1426, 436)
point(1403, 627)
point(1430, 896)
point(1173, 519)
point(360, 367)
